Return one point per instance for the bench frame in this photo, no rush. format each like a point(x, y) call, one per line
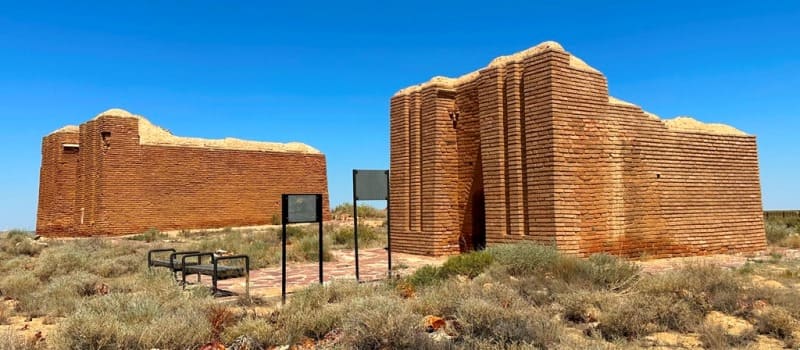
point(173, 258)
point(215, 262)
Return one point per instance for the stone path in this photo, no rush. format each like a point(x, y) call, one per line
point(373, 266)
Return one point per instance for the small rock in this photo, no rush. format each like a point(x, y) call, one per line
point(766, 343)
point(245, 343)
point(441, 337)
point(772, 284)
point(733, 326)
point(433, 323)
point(673, 340)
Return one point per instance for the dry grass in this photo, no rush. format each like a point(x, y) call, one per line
point(510, 296)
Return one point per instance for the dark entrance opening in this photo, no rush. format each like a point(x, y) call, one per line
point(478, 221)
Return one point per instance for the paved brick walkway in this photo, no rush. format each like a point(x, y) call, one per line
point(373, 266)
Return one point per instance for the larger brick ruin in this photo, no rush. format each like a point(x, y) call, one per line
point(119, 174)
point(533, 148)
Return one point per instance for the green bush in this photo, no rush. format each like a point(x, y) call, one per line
point(470, 265)
point(427, 275)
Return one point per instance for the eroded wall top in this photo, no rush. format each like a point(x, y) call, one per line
point(678, 124)
point(150, 134)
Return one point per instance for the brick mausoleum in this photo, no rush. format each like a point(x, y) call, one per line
point(532, 147)
point(119, 174)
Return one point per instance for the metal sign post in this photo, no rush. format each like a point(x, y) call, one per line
point(298, 209)
point(371, 185)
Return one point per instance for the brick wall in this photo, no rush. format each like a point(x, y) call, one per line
point(558, 161)
point(124, 187)
point(57, 190)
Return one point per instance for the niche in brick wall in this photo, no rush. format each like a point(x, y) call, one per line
point(106, 137)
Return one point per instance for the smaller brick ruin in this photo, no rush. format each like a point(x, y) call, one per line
point(533, 148)
point(119, 174)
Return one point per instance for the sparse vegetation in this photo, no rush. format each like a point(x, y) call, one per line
point(784, 232)
point(364, 211)
point(100, 295)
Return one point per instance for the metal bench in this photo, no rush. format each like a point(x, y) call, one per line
point(174, 262)
point(216, 270)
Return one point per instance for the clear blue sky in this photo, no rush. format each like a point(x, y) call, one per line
point(322, 73)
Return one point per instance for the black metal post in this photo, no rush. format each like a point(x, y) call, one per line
point(285, 216)
point(319, 218)
point(355, 222)
point(389, 222)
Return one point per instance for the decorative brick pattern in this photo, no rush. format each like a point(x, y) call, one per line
point(556, 160)
point(114, 185)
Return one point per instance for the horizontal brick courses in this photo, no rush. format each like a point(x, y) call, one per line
point(119, 186)
point(559, 161)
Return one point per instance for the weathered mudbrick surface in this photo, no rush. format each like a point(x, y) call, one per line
point(108, 177)
point(532, 147)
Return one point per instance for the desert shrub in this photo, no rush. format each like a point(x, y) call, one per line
point(777, 231)
point(505, 325)
point(263, 247)
point(367, 236)
point(311, 313)
point(298, 232)
point(364, 211)
point(18, 242)
point(705, 287)
point(426, 275)
point(118, 266)
point(307, 249)
point(640, 314)
point(382, 322)
point(776, 321)
point(791, 241)
point(11, 340)
point(442, 300)
point(718, 338)
point(260, 329)
point(528, 259)
point(158, 317)
point(524, 258)
point(19, 284)
point(61, 296)
point(61, 260)
point(5, 313)
point(470, 265)
point(611, 272)
point(584, 306)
